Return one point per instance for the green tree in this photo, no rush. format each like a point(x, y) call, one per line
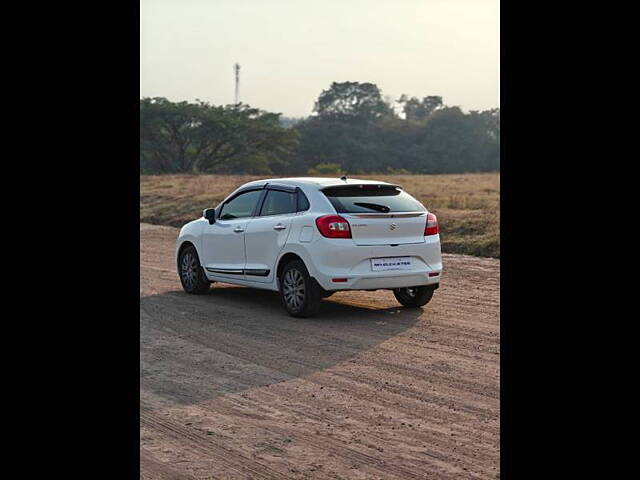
point(166, 134)
point(239, 132)
point(355, 128)
point(416, 110)
point(198, 137)
point(352, 101)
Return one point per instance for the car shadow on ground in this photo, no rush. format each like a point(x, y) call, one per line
point(196, 347)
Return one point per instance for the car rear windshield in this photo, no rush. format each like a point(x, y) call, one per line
point(371, 199)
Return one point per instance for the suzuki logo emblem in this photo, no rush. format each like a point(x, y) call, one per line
point(392, 226)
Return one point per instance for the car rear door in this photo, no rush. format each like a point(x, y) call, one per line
point(224, 241)
point(267, 233)
point(379, 214)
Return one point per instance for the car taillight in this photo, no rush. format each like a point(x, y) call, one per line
point(333, 226)
point(432, 225)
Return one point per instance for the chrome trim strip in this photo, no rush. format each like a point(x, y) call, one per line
point(233, 271)
point(258, 272)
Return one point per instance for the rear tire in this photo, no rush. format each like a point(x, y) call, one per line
point(300, 295)
point(191, 273)
point(414, 297)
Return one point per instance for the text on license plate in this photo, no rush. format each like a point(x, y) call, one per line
point(391, 263)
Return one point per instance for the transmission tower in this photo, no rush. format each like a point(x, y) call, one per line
point(236, 69)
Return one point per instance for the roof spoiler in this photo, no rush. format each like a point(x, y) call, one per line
point(363, 186)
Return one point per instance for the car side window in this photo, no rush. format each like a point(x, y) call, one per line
point(241, 206)
point(303, 202)
point(278, 203)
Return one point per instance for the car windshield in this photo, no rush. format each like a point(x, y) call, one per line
point(371, 200)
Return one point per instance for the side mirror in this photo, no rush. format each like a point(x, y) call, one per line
point(210, 214)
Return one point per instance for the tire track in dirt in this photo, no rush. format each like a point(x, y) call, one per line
point(152, 469)
point(339, 447)
point(231, 460)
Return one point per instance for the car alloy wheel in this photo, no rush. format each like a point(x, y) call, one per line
point(294, 289)
point(189, 269)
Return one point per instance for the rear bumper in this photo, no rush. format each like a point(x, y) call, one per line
point(381, 282)
point(341, 259)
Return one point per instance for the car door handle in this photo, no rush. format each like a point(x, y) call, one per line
point(279, 227)
point(238, 229)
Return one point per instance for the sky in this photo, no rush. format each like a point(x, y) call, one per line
point(289, 51)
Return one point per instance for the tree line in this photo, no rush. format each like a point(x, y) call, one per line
point(353, 130)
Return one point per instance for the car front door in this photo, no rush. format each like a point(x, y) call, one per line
point(267, 233)
point(224, 241)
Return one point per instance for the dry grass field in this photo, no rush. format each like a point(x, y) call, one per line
point(467, 205)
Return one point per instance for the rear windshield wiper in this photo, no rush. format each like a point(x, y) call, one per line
point(373, 206)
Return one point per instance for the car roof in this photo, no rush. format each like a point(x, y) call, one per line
point(319, 182)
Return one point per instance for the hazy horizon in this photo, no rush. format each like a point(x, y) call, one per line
point(289, 51)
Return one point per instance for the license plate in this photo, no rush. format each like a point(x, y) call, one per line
point(391, 263)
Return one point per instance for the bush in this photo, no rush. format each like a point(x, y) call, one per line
point(326, 169)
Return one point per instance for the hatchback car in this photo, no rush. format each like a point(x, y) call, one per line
point(307, 238)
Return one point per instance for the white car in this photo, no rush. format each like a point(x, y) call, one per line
point(310, 237)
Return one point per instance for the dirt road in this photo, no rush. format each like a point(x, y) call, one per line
point(231, 387)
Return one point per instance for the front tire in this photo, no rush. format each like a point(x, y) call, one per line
point(300, 295)
point(191, 274)
point(414, 297)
